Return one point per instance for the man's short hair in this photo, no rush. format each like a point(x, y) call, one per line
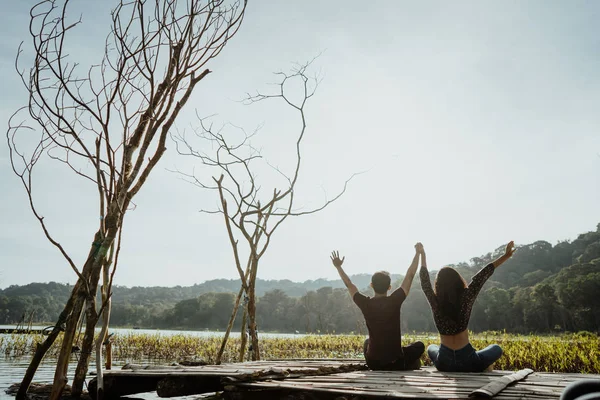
point(381, 282)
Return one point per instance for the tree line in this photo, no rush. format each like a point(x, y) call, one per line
point(543, 288)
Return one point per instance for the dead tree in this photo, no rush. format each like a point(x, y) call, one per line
point(247, 212)
point(108, 124)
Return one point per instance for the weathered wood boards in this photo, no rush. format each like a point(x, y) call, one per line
point(178, 380)
point(330, 379)
point(427, 383)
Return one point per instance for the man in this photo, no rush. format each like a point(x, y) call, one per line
point(383, 349)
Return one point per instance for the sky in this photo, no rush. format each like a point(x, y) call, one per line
point(476, 122)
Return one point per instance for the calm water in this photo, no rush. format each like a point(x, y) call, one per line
point(12, 370)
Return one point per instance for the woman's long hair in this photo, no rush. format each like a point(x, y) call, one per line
point(449, 287)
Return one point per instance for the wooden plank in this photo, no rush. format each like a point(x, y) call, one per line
point(350, 385)
point(401, 392)
point(232, 372)
point(230, 367)
point(353, 391)
point(327, 379)
point(372, 378)
point(185, 385)
point(426, 378)
point(176, 380)
point(316, 380)
point(408, 384)
point(497, 385)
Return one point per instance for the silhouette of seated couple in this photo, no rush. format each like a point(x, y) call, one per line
point(451, 301)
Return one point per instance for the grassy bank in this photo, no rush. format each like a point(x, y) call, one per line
point(567, 353)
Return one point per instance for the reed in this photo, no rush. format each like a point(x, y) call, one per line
point(565, 353)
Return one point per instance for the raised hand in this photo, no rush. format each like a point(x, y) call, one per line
point(510, 249)
point(335, 259)
point(419, 248)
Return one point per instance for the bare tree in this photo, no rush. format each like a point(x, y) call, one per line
point(247, 212)
point(108, 124)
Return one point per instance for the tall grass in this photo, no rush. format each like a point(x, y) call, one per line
point(567, 353)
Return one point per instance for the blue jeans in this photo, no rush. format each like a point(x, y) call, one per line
point(465, 359)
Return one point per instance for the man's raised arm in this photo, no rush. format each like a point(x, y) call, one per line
point(412, 270)
point(337, 263)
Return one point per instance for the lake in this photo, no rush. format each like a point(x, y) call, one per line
point(12, 370)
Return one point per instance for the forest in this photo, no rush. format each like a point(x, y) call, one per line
point(544, 288)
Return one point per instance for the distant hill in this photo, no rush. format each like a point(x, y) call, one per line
point(59, 292)
point(543, 287)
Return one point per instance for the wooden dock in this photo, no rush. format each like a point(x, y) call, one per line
point(330, 379)
point(180, 380)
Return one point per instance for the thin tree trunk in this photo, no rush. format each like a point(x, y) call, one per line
point(230, 325)
point(93, 262)
point(91, 318)
point(233, 315)
point(252, 321)
point(30, 320)
point(101, 338)
point(73, 306)
point(243, 337)
point(42, 348)
point(252, 327)
point(103, 333)
point(109, 354)
point(62, 365)
point(80, 322)
point(252, 308)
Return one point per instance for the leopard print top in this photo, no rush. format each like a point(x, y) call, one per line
point(445, 324)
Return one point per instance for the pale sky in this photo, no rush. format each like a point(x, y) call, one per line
point(478, 123)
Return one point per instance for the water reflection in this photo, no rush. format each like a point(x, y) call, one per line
point(12, 371)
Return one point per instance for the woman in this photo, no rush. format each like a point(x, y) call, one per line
point(451, 303)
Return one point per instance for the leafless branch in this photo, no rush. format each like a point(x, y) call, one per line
point(75, 111)
point(109, 123)
point(238, 187)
